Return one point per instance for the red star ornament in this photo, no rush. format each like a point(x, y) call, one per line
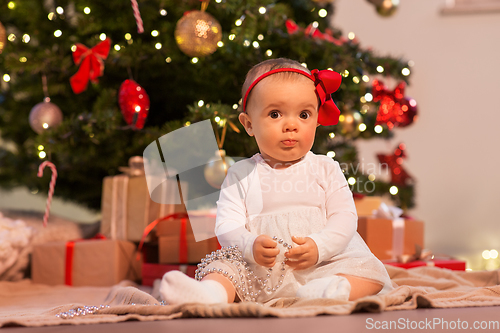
point(395, 109)
point(394, 162)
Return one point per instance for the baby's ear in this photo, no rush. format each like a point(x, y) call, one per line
point(246, 122)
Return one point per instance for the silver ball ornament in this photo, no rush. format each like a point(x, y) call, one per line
point(216, 168)
point(45, 115)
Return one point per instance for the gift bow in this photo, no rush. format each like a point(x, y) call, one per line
point(327, 82)
point(91, 63)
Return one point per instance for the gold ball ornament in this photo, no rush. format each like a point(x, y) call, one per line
point(3, 37)
point(216, 168)
point(197, 34)
point(349, 122)
point(387, 7)
point(45, 115)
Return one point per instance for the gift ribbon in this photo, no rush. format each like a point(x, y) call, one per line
point(398, 237)
point(70, 249)
point(152, 225)
point(91, 63)
point(183, 247)
point(119, 197)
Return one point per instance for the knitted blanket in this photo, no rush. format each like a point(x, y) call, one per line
point(23, 303)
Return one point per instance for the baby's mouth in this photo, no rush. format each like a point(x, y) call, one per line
point(289, 142)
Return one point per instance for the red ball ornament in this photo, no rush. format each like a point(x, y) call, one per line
point(395, 109)
point(134, 103)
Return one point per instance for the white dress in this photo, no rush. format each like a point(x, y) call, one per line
point(309, 198)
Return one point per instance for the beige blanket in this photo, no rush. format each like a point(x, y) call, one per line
point(26, 304)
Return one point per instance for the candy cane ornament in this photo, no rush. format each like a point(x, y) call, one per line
point(51, 187)
point(137, 15)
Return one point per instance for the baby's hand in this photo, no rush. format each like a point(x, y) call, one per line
point(303, 256)
point(265, 251)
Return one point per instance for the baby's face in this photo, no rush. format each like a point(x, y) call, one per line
point(283, 116)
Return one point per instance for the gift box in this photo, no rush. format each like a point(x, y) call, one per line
point(366, 205)
point(93, 262)
point(453, 264)
point(127, 207)
point(153, 271)
point(174, 250)
point(388, 239)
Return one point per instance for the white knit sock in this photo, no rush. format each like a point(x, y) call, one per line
point(177, 288)
point(335, 286)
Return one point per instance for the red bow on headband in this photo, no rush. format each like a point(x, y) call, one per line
point(327, 82)
point(92, 64)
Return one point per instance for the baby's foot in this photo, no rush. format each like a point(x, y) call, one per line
point(336, 287)
point(176, 288)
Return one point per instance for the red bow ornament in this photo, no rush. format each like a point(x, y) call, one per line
point(399, 176)
point(91, 63)
point(327, 82)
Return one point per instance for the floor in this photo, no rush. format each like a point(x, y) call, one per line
point(477, 319)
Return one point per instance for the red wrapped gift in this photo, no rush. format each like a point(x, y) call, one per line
point(151, 272)
point(453, 264)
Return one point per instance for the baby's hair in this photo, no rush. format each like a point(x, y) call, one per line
point(269, 65)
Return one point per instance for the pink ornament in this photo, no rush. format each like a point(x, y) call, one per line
point(134, 103)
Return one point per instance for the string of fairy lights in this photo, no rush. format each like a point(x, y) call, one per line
point(365, 100)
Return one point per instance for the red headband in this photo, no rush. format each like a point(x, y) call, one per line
point(326, 83)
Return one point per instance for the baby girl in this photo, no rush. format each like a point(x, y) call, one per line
point(286, 218)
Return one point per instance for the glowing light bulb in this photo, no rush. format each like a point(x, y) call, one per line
point(238, 22)
point(322, 12)
point(155, 33)
point(117, 47)
point(235, 106)
point(355, 79)
point(411, 63)
point(45, 125)
point(256, 44)
point(351, 180)
point(345, 73)
point(86, 10)
point(380, 69)
point(40, 147)
point(269, 53)
point(260, 37)
point(217, 119)
point(128, 36)
point(304, 64)
point(362, 127)
point(168, 60)
point(11, 5)
point(26, 38)
point(163, 12)
point(378, 129)
point(405, 71)
point(137, 108)
point(246, 43)
point(232, 36)
point(371, 177)
point(11, 37)
point(368, 97)
point(23, 59)
point(102, 36)
point(486, 254)
point(187, 123)
point(331, 135)
point(262, 10)
point(42, 154)
point(201, 103)
point(220, 44)
point(494, 254)
point(194, 60)
point(158, 46)
point(366, 78)
point(60, 10)
point(351, 35)
point(50, 16)
point(393, 190)
point(331, 154)
point(58, 33)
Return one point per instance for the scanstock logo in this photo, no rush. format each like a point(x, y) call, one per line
point(178, 158)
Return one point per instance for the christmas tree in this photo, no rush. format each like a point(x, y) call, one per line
point(184, 82)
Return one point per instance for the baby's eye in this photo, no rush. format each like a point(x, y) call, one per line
point(304, 115)
point(274, 114)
